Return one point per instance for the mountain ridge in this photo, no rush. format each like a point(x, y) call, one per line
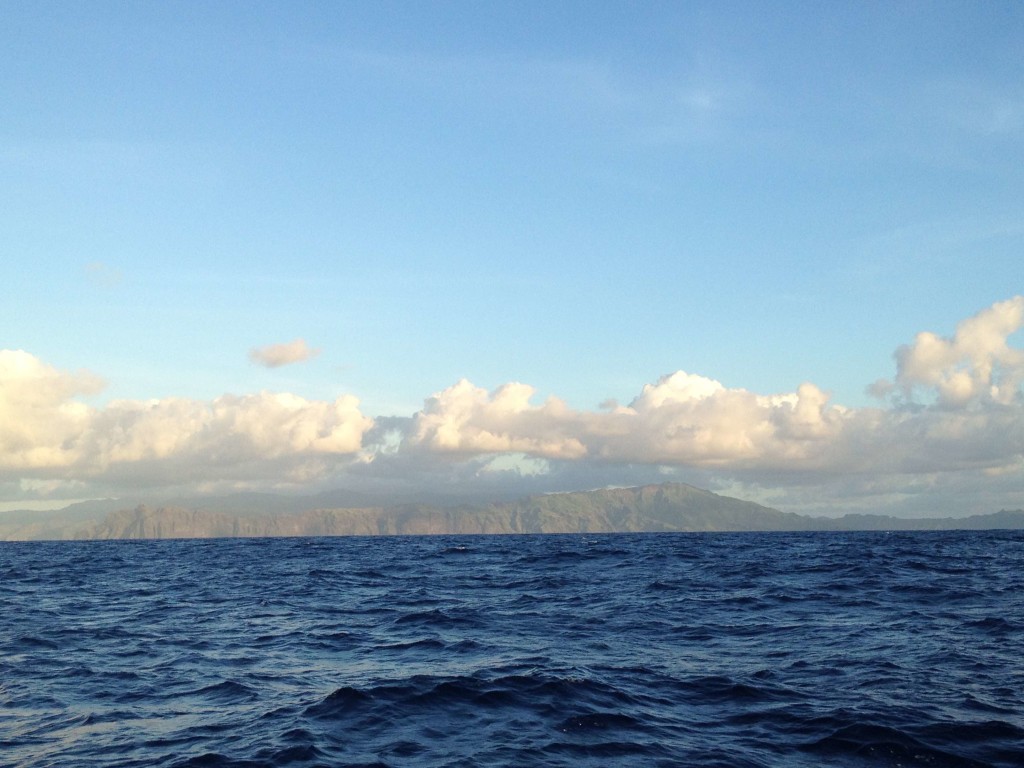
point(650, 508)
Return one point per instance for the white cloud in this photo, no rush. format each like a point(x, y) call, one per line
point(681, 419)
point(687, 420)
point(465, 419)
point(276, 355)
point(46, 433)
point(958, 423)
point(976, 364)
point(39, 419)
point(228, 430)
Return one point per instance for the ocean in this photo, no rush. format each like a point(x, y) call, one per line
point(775, 649)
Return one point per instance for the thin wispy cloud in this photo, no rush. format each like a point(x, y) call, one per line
point(560, 91)
point(103, 275)
point(277, 355)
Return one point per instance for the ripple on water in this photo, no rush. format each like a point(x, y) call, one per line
point(662, 650)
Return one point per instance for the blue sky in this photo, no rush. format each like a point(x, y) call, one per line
point(581, 197)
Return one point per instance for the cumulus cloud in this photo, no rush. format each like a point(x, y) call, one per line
point(958, 417)
point(973, 421)
point(467, 419)
point(683, 418)
point(276, 355)
point(228, 430)
point(46, 432)
point(39, 417)
point(976, 364)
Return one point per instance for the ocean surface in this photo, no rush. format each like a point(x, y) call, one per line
point(780, 649)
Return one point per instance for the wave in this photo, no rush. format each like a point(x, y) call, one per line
point(661, 650)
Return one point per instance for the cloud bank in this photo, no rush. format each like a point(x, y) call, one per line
point(950, 419)
point(276, 355)
point(45, 432)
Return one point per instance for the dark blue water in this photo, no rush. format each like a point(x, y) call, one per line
point(863, 649)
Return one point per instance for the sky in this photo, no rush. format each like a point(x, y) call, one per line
point(770, 249)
